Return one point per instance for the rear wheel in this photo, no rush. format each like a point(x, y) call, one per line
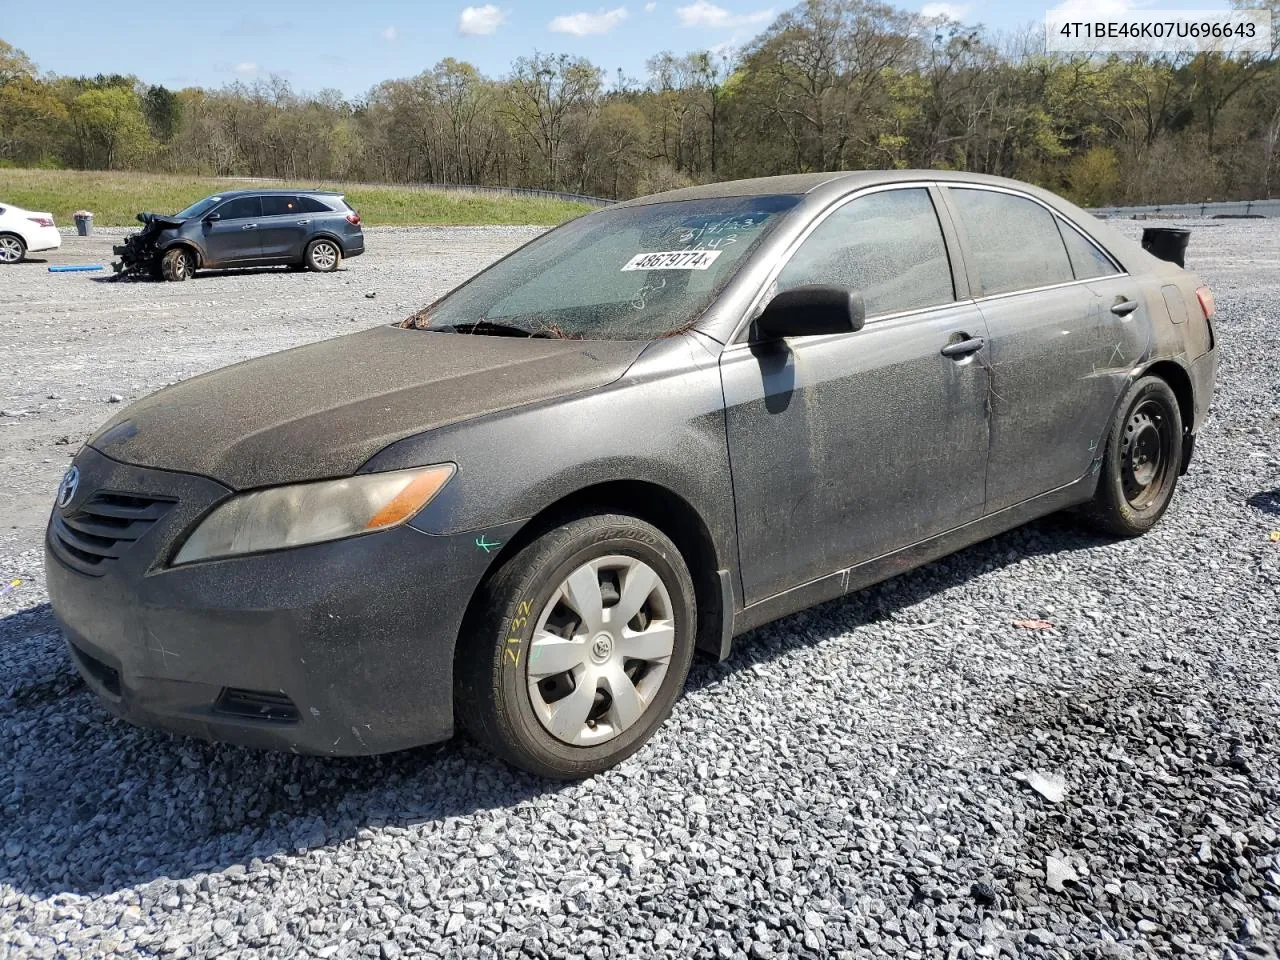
point(177, 264)
point(1141, 462)
point(580, 647)
point(323, 256)
point(12, 248)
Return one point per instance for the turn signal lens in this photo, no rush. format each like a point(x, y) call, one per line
point(313, 512)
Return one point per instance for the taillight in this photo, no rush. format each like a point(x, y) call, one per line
point(43, 221)
point(1205, 296)
point(353, 218)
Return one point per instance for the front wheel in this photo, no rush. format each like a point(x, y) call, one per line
point(1141, 462)
point(12, 249)
point(580, 645)
point(323, 256)
point(177, 264)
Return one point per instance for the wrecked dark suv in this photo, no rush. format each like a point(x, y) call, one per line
point(314, 229)
point(650, 430)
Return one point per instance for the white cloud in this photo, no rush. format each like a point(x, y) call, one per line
point(246, 67)
point(480, 21)
point(584, 24)
point(701, 13)
point(952, 11)
point(650, 6)
point(389, 34)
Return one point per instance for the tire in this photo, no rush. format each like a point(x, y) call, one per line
point(13, 249)
point(323, 255)
point(177, 264)
point(573, 723)
point(1141, 463)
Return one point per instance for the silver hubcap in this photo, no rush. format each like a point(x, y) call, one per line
point(323, 255)
point(600, 650)
point(10, 250)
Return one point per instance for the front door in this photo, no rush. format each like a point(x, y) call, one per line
point(1066, 328)
point(847, 447)
point(233, 237)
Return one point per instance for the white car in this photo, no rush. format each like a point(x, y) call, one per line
point(23, 232)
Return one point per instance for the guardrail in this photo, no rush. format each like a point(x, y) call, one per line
point(1178, 211)
point(454, 188)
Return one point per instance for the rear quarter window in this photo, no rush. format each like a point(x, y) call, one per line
point(1014, 242)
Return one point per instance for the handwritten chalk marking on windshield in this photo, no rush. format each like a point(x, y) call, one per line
point(672, 260)
point(487, 545)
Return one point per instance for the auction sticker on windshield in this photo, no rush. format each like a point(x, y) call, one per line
point(673, 260)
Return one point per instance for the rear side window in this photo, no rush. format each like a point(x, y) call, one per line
point(888, 246)
point(1087, 260)
point(312, 205)
point(274, 205)
point(1014, 241)
point(241, 208)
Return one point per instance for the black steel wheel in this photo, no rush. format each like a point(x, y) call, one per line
point(1141, 462)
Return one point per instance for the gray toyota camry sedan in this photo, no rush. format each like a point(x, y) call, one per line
point(523, 509)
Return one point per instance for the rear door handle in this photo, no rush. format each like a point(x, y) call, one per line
point(1124, 307)
point(250, 226)
point(303, 223)
point(963, 348)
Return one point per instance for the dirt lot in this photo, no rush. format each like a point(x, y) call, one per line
point(853, 782)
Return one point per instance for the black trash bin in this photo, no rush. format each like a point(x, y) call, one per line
point(1167, 243)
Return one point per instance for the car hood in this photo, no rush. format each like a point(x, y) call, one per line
point(160, 220)
point(322, 410)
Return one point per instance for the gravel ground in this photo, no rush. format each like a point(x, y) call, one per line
point(904, 773)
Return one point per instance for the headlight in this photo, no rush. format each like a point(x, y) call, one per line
point(312, 512)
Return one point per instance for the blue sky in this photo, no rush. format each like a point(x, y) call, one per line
point(353, 45)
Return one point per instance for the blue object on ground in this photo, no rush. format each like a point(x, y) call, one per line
point(83, 269)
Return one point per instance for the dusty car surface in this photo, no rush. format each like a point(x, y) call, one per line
point(245, 228)
point(644, 433)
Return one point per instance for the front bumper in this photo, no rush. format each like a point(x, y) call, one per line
point(355, 636)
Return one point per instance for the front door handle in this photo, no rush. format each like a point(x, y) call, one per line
point(963, 348)
point(250, 226)
point(1122, 308)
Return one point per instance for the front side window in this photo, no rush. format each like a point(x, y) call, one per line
point(624, 273)
point(1013, 241)
point(241, 208)
point(1087, 261)
point(888, 246)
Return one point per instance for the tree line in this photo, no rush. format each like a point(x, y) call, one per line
point(830, 84)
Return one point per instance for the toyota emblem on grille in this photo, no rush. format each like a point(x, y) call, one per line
point(67, 488)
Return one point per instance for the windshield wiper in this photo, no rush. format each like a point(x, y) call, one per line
point(491, 327)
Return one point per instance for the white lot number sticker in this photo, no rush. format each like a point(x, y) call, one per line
point(673, 260)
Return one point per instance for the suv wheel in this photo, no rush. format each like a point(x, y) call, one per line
point(323, 256)
point(580, 646)
point(177, 264)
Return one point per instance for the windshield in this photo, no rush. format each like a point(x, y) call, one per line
point(625, 273)
point(198, 209)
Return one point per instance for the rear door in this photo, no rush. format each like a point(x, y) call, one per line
point(233, 238)
point(283, 229)
point(847, 447)
point(1066, 325)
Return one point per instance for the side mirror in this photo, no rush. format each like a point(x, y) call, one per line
point(213, 218)
point(811, 311)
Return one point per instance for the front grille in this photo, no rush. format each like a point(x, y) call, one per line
point(257, 705)
point(103, 528)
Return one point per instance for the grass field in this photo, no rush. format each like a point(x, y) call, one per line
point(116, 199)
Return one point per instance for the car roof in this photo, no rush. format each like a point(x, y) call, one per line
point(803, 183)
point(277, 191)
